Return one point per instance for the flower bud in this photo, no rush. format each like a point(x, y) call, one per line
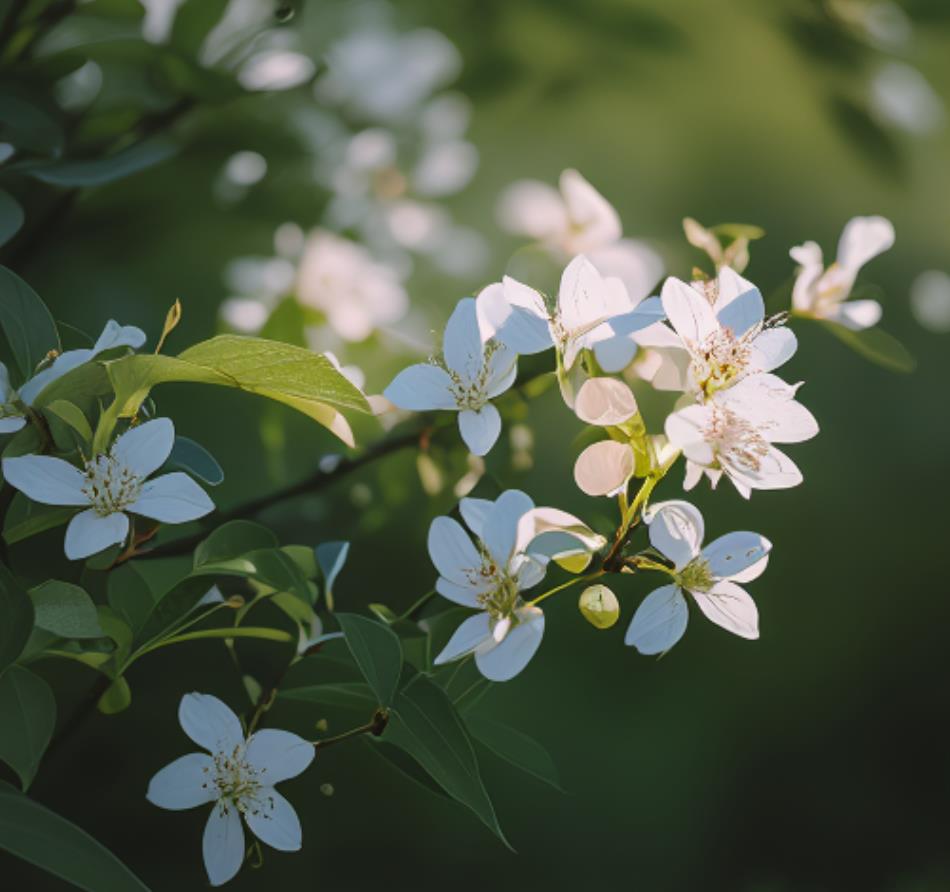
point(600, 606)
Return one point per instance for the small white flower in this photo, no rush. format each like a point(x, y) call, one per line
point(733, 434)
point(593, 312)
point(822, 293)
point(514, 543)
point(238, 777)
point(111, 486)
point(709, 574)
point(473, 374)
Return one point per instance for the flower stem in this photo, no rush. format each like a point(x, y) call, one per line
point(564, 585)
point(227, 632)
point(375, 726)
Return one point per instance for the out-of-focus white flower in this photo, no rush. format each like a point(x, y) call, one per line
point(238, 777)
point(736, 255)
point(276, 69)
point(823, 293)
point(473, 374)
point(930, 300)
point(341, 279)
point(159, 18)
point(902, 97)
point(710, 575)
point(880, 22)
point(245, 168)
point(579, 220)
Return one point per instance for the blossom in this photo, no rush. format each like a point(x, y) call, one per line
point(238, 777)
point(473, 373)
point(355, 292)
point(593, 312)
point(577, 219)
point(111, 486)
point(710, 575)
point(822, 293)
point(514, 541)
point(733, 434)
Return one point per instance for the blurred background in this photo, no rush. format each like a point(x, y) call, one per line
point(813, 759)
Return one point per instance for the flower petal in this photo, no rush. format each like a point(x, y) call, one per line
point(688, 311)
point(223, 843)
point(500, 532)
point(420, 388)
point(517, 316)
point(185, 783)
point(862, 239)
point(775, 471)
point(452, 551)
point(685, 430)
point(502, 370)
point(89, 533)
point(278, 755)
point(115, 335)
point(504, 661)
point(605, 402)
point(272, 819)
point(471, 633)
point(594, 220)
point(144, 448)
point(462, 345)
point(858, 314)
point(772, 348)
point(741, 313)
point(210, 723)
point(172, 498)
point(734, 553)
point(616, 353)
point(45, 479)
point(480, 430)
point(676, 530)
point(604, 468)
point(730, 606)
point(474, 512)
point(636, 264)
point(581, 298)
point(10, 424)
point(466, 595)
point(659, 622)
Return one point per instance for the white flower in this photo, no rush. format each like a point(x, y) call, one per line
point(514, 543)
point(11, 414)
point(733, 433)
point(238, 777)
point(356, 293)
point(722, 326)
point(822, 293)
point(709, 574)
point(474, 373)
point(111, 486)
point(593, 312)
point(579, 220)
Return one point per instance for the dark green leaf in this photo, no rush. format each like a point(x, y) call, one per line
point(187, 455)
point(26, 322)
point(875, 345)
point(66, 610)
point(11, 217)
point(377, 652)
point(116, 698)
point(100, 171)
point(516, 748)
point(35, 834)
point(349, 694)
point(232, 539)
point(270, 566)
point(16, 618)
point(27, 719)
point(27, 125)
point(193, 21)
point(404, 764)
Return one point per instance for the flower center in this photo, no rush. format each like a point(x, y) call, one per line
point(737, 438)
point(234, 777)
point(109, 485)
point(696, 576)
point(473, 394)
point(720, 359)
point(501, 599)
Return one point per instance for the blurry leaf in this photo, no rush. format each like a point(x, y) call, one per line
point(377, 652)
point(11, 217)
point(186, 77)
point(32, 832)
point(187, 455)
point(16, 618)
point(232, 539)
point(193, 22)
point(286, 323)
point(116, 698)
point(734, 231)
point(100, 171)
point(26, 322)
point(26, 124)
point(66, 610)
point(876, 345)
point(304, 558)
point(425, 724)
point(27, 719)
point(515, 748)
point(867, 136)
point(348, 694)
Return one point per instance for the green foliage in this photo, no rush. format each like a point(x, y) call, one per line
point(16, 610)
point(187, 455)
point(26, 322)
point(231, 540)
point(65, 610)
point(515, 747)
point(11, 217)
point(377, 652)
point(101, 171)
point(193, 21)
point(34, 833)
point(25, 519)
point(875, 345)
point(28, 709)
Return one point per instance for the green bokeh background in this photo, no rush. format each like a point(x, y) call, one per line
point(813, 759)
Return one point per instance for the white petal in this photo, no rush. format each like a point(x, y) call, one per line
point(518, 315)
point(544, 519)
point(730, 606)
point(502, 370)
point(740, 314)
point(637, 265)
point(508, 658)
point(500, 531)
point(452, 551)
point(462, 344)
point(47, 480)
point(420, 388)
point(772, 348)
point(604, 468)
point(864, 238)
point(272, 819)
point(471, 633)
point(659, 622)
point(604, 402)
point(115, 335)
point(210, 723)
point(185, 783)
point(480, 430)
point(89, 533)
point(753, 572)
point(768, 403)
point(529, 569)
point(685, 431)
point(729, 286)
point(676, 530)
point(172, 498)
point(734, 553)
point(11, 424)
point(466, 595)
point(858, 314)
point(223, 843)
point(775, 471)
point(63, 363)
point(812, 265)
point(278, 755)
point(474, 512)
point(144, 448)
point(581, 298)
point(688, 311)
point(616, 353)
point(594, 220)
point(694, 473)
point(532, 208)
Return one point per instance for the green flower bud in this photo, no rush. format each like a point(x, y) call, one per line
point(600, 606)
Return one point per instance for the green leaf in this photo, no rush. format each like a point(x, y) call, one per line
point(72, 416)
point(516, 748)
point(405, 765)
point(425, 724)
point(11, 217)
point(66, 610)
point(26, 518)
point(100, 171)
point(377, 652)
point(84, 386)
point(27, 719)
point(270, 566)
point(34, 833)
point(187, 455)
point(876, 345)
point(27, 324)
point(27, 124)
point(116, 698)
point(733, 231)
point(171, 608)
point(348, 694)
point(16, 618)
point(232, 539)
point(193, 21)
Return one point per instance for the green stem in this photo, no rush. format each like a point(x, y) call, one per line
point(416, 605)
point(261, 632)
point(375, 726)
point(559, 588)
